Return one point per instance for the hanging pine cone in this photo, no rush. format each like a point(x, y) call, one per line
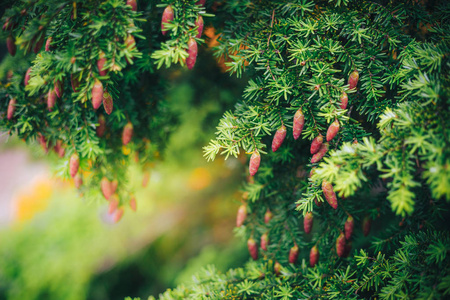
point(127, 133)
point(320, 154)
point(118, 215)
point(97, 94)
point(340, 245)
point(11, 45)
point(113, 203)
point(27, 76)
point(108, 104)
point(349, 225)
point(133, 4)
point(268, 216)
point(314, 256)
point(353, 80)
point(241, 215)
point(277, 268)
point(329, 194)
point(255, 161)
point(299, 121)
point(167, 17)
point(133, 203)
point(366, 225)
point(278, 138)
point(199, 24)
point(11, 108)
point(74, 164)
point(264, 241)
point(101, 128)
point(252, 248)
point(105, 186)
point(101, 64)
point(51, 99)
point(78, 180)
point(59, 148)
point(48, 43)
point(114, 185)
point(192, 53)
point(344, 100)
point(43, 142)
point(293, 254)
point(58, 88)
point(316, 144)
point(332, 130)
point(308, 222)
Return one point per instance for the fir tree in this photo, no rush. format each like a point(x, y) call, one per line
point(344, 116)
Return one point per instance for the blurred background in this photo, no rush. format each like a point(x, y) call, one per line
point(55, 244)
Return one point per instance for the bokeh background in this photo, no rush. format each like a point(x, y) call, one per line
point(56, 244)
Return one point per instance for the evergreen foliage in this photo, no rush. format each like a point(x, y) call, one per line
point(81, 33)
point(381, 158)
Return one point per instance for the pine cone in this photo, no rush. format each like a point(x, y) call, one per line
point(105, 186)
point(293, 254)
point(51, 99)
point(332, 130)
point(264, 241)
point(97, 94)
point(344, 100)
point(268, 216)
point(366, 225)
point(252, 248)
point(118, 215)
point(58, 88)
point(199, 23)
point(278, 138)
point(78, 180)
point(299, 121)
point(101, 128)
point(340, 245)
point(277, 268)
point(27, 76)
point(133, 203)
point(74, 164)
point(101, 64)
point(255, 161)
point(127, 133)
point(192, 52)
point(166, 18)
point(353, 80)
point(308, 222)
point(314, 256)
point(329, 194)
point(320, 154)
point(241, 215)
point(11, 45)
point(316, 144)
point(113, 203)
point(47, 43)
point(133, 4)
point(349, 225)
point(108, 104)
point(11, 108)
